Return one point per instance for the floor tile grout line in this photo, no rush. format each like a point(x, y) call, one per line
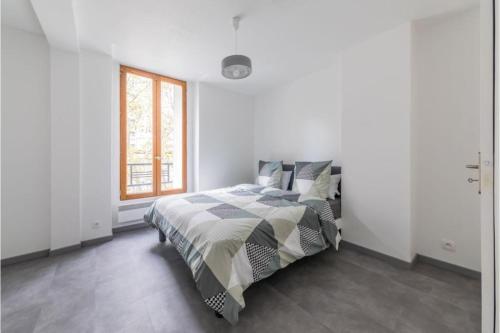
point(149, 316)
point(298, 305)
point(37, 319)
point(384, 276)
point(39, 315)
point(409, 270)
point(409, 286)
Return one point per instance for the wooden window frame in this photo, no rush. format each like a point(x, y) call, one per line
point(156, 172)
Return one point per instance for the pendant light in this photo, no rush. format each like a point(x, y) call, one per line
point(236, 66)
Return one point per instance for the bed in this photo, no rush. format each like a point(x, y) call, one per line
point(233, 237)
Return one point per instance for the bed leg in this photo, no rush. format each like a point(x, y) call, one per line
point(218, 315)
point(162, 236)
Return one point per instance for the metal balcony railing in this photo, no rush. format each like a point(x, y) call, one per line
point(141, 174)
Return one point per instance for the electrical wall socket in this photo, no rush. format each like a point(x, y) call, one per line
point(448, 245)
point(96, 225)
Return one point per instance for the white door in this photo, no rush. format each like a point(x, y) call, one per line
point(489, 204)
point(446, 138)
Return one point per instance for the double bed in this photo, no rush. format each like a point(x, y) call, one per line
point(233, 237)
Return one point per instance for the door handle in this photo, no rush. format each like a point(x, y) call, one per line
point(478, 168)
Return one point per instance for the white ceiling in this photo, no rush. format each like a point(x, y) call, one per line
point(19, 14)
point(187, 39)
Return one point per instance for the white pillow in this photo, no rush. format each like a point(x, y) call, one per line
point(285, 180)
point(334, 186)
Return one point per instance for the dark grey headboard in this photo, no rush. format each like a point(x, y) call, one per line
point(336, 170)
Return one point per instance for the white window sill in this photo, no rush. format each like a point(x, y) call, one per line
point(122, 203)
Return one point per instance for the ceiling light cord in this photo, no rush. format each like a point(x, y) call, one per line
point(236, 42)
point(236, 25)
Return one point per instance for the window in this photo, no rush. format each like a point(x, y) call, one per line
point(153, 134)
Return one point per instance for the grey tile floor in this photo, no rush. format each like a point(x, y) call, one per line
point(135, 284)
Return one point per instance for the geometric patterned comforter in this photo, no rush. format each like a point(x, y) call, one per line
point(233, 237)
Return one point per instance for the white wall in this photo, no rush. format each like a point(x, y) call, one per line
point(95, 154)
point(446, 127)
point(225, 138)
point(301, 120)
point(65, 148)
point(115, 142)
point(376, 98)
point(25, 143)
point(192, 146)
point(56, 145)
